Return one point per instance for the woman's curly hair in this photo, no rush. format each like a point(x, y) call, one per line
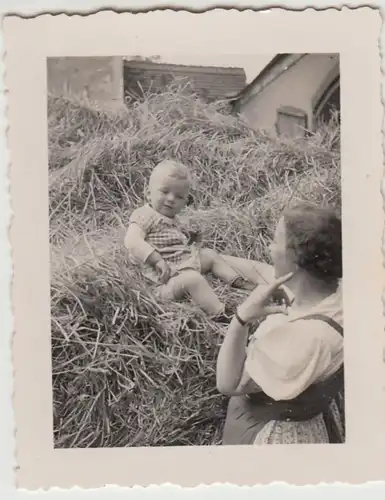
point(315, 236)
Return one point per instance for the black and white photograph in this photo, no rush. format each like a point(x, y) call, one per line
point(196, 250)
point(196, 242)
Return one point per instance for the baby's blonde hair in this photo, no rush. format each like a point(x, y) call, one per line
point(172, 169)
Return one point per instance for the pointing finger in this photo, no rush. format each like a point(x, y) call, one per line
point(278, 282)
point(273, 287)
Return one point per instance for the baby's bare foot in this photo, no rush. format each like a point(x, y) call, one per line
point(242, 283)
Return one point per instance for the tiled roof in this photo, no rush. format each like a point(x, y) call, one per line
point(214, 82)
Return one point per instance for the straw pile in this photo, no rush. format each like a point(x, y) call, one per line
point(129, 370)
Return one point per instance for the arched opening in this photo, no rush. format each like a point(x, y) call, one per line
point(328, 103)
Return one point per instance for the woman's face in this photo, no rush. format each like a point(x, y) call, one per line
point(282, 256)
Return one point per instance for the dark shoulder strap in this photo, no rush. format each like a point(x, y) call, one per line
point(331, 322)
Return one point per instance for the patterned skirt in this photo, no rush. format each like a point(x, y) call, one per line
point(313, 431)
point(316, 416)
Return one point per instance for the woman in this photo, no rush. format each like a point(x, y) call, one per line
point(286, 386)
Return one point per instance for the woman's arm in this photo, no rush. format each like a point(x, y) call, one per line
point(232, 378)
point(231, 358)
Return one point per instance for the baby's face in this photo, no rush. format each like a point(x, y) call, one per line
point(169, 195)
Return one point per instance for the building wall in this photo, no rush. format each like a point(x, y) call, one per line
point(98, 80)
point(295, 88)
point(212, 82)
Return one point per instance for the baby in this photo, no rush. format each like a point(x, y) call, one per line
point(158, 243)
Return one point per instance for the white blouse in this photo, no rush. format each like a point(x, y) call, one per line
point(284, 357)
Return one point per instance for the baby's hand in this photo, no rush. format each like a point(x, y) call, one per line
point(195, 237)
point(164, 270)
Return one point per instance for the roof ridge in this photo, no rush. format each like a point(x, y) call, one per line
point(229, 69)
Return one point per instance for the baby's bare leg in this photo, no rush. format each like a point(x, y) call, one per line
point(254, 271)
point(190, 282)
point(212, 262)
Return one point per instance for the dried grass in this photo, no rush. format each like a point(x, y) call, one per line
point(129, 370)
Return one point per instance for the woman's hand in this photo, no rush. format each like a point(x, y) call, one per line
point(258, 303)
